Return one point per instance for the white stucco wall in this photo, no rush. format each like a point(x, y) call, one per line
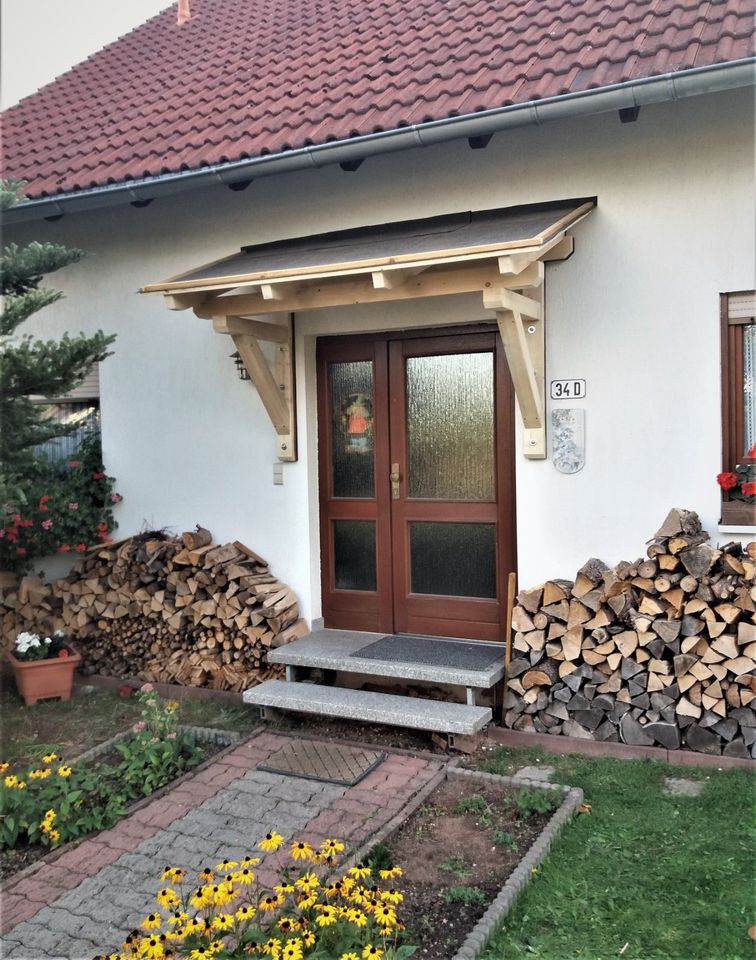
point(634, 312)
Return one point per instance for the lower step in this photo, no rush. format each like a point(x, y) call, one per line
point(437, 715)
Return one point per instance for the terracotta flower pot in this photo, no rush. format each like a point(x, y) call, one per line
point(40, 679)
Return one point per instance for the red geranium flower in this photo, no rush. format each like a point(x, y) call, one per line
point(80, 547)
point(44, 498)
point(752, 452)
point(21, 551)
point(97, 475)
point(749, 488)
point(102, 526)
point(63, 548)
point(63, 652)
point(727, 480)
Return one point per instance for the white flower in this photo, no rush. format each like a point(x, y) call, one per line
point(26, 640)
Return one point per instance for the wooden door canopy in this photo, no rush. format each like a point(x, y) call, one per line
point(499, 253)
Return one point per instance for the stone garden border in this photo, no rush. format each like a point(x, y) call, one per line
point(475, 941)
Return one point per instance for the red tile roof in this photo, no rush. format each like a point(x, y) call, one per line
point(248, 77)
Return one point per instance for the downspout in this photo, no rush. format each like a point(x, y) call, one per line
point(634, 93)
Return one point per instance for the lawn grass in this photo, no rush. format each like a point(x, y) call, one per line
point(73, 726)
point(644, 876)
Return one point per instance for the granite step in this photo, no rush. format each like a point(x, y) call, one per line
point(419, 714)
point(329, 649)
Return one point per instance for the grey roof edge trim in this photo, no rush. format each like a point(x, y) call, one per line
point(635, 93)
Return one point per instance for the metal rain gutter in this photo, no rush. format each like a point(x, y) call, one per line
point(633, 93)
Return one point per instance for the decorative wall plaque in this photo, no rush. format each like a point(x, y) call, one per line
point(568, 439)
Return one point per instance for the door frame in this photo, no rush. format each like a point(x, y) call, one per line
point(374, 611)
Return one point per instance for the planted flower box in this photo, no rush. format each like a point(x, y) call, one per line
point(43, 667)
point(738, 513)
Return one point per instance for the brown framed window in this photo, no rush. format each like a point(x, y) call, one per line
point(738, 312)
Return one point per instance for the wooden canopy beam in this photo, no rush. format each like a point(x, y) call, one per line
point(471, 278)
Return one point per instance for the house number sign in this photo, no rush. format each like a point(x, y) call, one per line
point(567, 389)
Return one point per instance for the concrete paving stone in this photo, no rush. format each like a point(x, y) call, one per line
point(681, 787)
point(543, 773)
point(292, 810)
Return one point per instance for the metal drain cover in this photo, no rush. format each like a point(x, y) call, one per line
point(329, 762)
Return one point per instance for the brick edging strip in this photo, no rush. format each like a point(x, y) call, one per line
point(173, 691)
point(619, 751)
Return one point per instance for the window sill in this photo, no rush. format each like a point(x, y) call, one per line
point(737, 528)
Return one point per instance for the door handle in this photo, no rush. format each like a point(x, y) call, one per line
point(395, 477)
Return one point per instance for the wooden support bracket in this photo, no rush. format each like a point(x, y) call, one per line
point(274, 383)
point(520, 321)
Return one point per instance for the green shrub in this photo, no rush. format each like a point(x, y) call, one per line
point(469, 896)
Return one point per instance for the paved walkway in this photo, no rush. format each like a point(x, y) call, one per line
point(87, 900)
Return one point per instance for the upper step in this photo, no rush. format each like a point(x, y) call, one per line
point(334, 649)
point(438, 716)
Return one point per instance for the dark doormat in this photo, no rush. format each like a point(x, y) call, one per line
point(434, 651)
point(328, 762)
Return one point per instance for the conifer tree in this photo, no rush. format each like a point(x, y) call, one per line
point(33, 367)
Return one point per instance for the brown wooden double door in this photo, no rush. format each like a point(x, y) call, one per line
point(416, 482)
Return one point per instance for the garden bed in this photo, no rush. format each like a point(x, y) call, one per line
point(471, 843)
point(209, 742)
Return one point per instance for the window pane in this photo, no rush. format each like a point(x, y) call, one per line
point(453, 559)
point(354, 554)
point(749, 391)
point(450, 426)
point(351, 394)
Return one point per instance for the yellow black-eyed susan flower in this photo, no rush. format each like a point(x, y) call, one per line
point(271, 903)
point(50, 757)
point(271, 841)
point(300, 850)
point(245, 912)
point(152, 922)
point(151, 948)
point(272, 946)
point(64, 771)
point(372, 953)
point(308, 938)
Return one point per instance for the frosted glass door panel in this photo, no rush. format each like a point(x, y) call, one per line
point(453, 559)
point(351, 392)
point(354, 554)
point(450, 426)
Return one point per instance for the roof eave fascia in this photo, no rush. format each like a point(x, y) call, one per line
point(635, 93)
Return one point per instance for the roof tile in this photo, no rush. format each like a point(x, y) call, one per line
point(245, 78)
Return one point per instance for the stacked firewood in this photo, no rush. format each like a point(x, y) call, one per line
point(661, 651)
point(166, 609)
